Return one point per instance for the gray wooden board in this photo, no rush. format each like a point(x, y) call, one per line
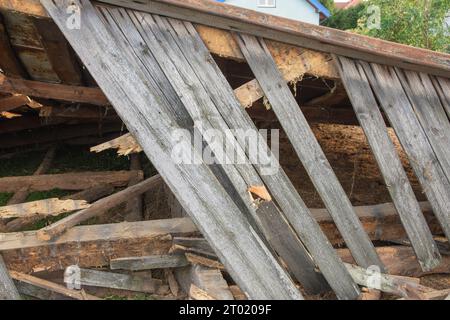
point(285, 242)
point(442, 86)
point(149, 262)
point(96, 278)
point(308, 149)
point(277, 182)
point(402, 194)
point(430, 112)
point(394, 101)
point(8, 290)
point(120, 75)
point(163, 46)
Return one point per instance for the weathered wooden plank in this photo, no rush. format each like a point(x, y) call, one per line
point(88, 195)
point(395, 103)
point(29, 285)
point(430, 112)
point(43, 208)
point(91, 246)
point(8, 290)
point(402, 194)
point(110, 62)
point(308, 149)
point(96, 278)
point(97, 208)
point(53, 91)
point(197, 103)
point(266, 163)
point(294, 32)
point(149, 262)
point(67, 181)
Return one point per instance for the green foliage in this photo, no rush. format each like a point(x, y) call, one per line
point(346, 19)
point(329, 4)
point(420, 23)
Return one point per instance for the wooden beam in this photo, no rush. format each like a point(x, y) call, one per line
point(296, 33)
point(135, 206)
point(308, 149)
point(99, 207)
point(13, 102)
point(89, 195)
point(91, 246)
point(149, 262)
point(67, 181)
point(31, 7)
point(34, 286)
point(53, 91)
point(42, 208)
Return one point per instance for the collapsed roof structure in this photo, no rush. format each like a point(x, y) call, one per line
point(152, 61)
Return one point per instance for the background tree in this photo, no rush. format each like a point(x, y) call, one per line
point(420, 23)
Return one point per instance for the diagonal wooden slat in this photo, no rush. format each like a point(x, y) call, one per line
point(140, 29)
point(144, 112)
point(308, 149)
point(394, 101)
point(278, 183)
point(442, 86)
point(430, 112)
point(402, 194)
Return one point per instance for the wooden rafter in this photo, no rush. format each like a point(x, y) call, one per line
point(52, 91)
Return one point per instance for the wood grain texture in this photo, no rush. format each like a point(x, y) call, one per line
point(52, 91)
point(308, 149)
point(371, 120)
point(131, 93)
point(92, 246)
point(67, 181)
point(395, 103)
point(43, 208)
point(442, 86)
point(149, 262)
